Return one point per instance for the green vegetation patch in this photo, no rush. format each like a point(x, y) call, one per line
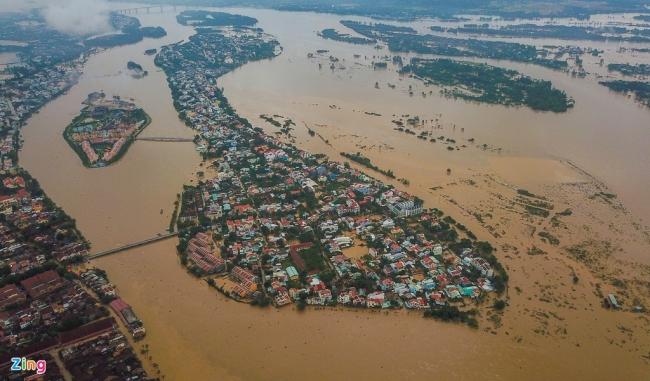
point(629, 69)
point(207, 18)
point(131, 32)
point(527, 193)
point(535, 211)
point(366, 162)
point(313, 259)
point(448, 10)
point(452, 313)
point(640, 90)
point(404, 39)
point(333, 34)
point(536, 251)
point(560, 32)
point(490, 84)
point(550, 238)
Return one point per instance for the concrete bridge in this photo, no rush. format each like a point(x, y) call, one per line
point(133, 245)
point(163, 139)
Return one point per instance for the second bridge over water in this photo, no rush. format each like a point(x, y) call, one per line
point(132, 245)
point(163, 139)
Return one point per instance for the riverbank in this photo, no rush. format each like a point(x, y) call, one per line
point(280, 340)
point(553, 291)
point(146, 180)
point(183, 315)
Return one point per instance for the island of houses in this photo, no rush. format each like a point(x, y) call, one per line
point(275, 224)
point(103, 131)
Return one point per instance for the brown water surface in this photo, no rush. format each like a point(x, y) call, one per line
point(120, 203)
point(196, 334)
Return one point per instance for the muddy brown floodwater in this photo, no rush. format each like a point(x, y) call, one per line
point(120, 203)
point(196, 334)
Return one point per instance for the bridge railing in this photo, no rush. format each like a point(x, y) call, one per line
point(132, 245)
point(163, 139)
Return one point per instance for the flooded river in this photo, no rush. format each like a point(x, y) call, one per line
point(608, 135)
point(121, 203)
point(196, 334)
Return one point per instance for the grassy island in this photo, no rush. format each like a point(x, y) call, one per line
point(629, 69)
point(451, 11)
point(130, 32)
point(640, 90)
point(366, 162)
point(103, 131)
point(333, 34)
point(206, 18)
point(560, 32)
point(405, 39)
point(490, 84)
point(136, 69)
point(131, 65)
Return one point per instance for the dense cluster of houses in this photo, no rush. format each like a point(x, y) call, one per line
point(287, 226)
point(201, 252)
point(33, 234)
point(39, 307)
point(105, 357)
point(95, 279)
point(193, 67)
point(104, 126)
point(21, 97)
point(43, 307)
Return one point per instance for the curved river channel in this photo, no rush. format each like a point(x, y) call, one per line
point(195, 334)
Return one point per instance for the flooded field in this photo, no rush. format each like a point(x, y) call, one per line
point(605, 134)
point(195, 333)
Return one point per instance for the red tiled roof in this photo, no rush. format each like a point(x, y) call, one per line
point(118, 304)
point(295, 256)
point(33, 284)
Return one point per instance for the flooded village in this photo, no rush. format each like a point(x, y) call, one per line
point(103, 131)
point(283, 219)
point(352, 229)
point(47, 307)
point(43, 306)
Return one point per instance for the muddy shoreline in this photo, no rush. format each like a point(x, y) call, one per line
point(550, 317)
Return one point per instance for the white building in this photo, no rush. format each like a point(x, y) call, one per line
point(405, 208)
